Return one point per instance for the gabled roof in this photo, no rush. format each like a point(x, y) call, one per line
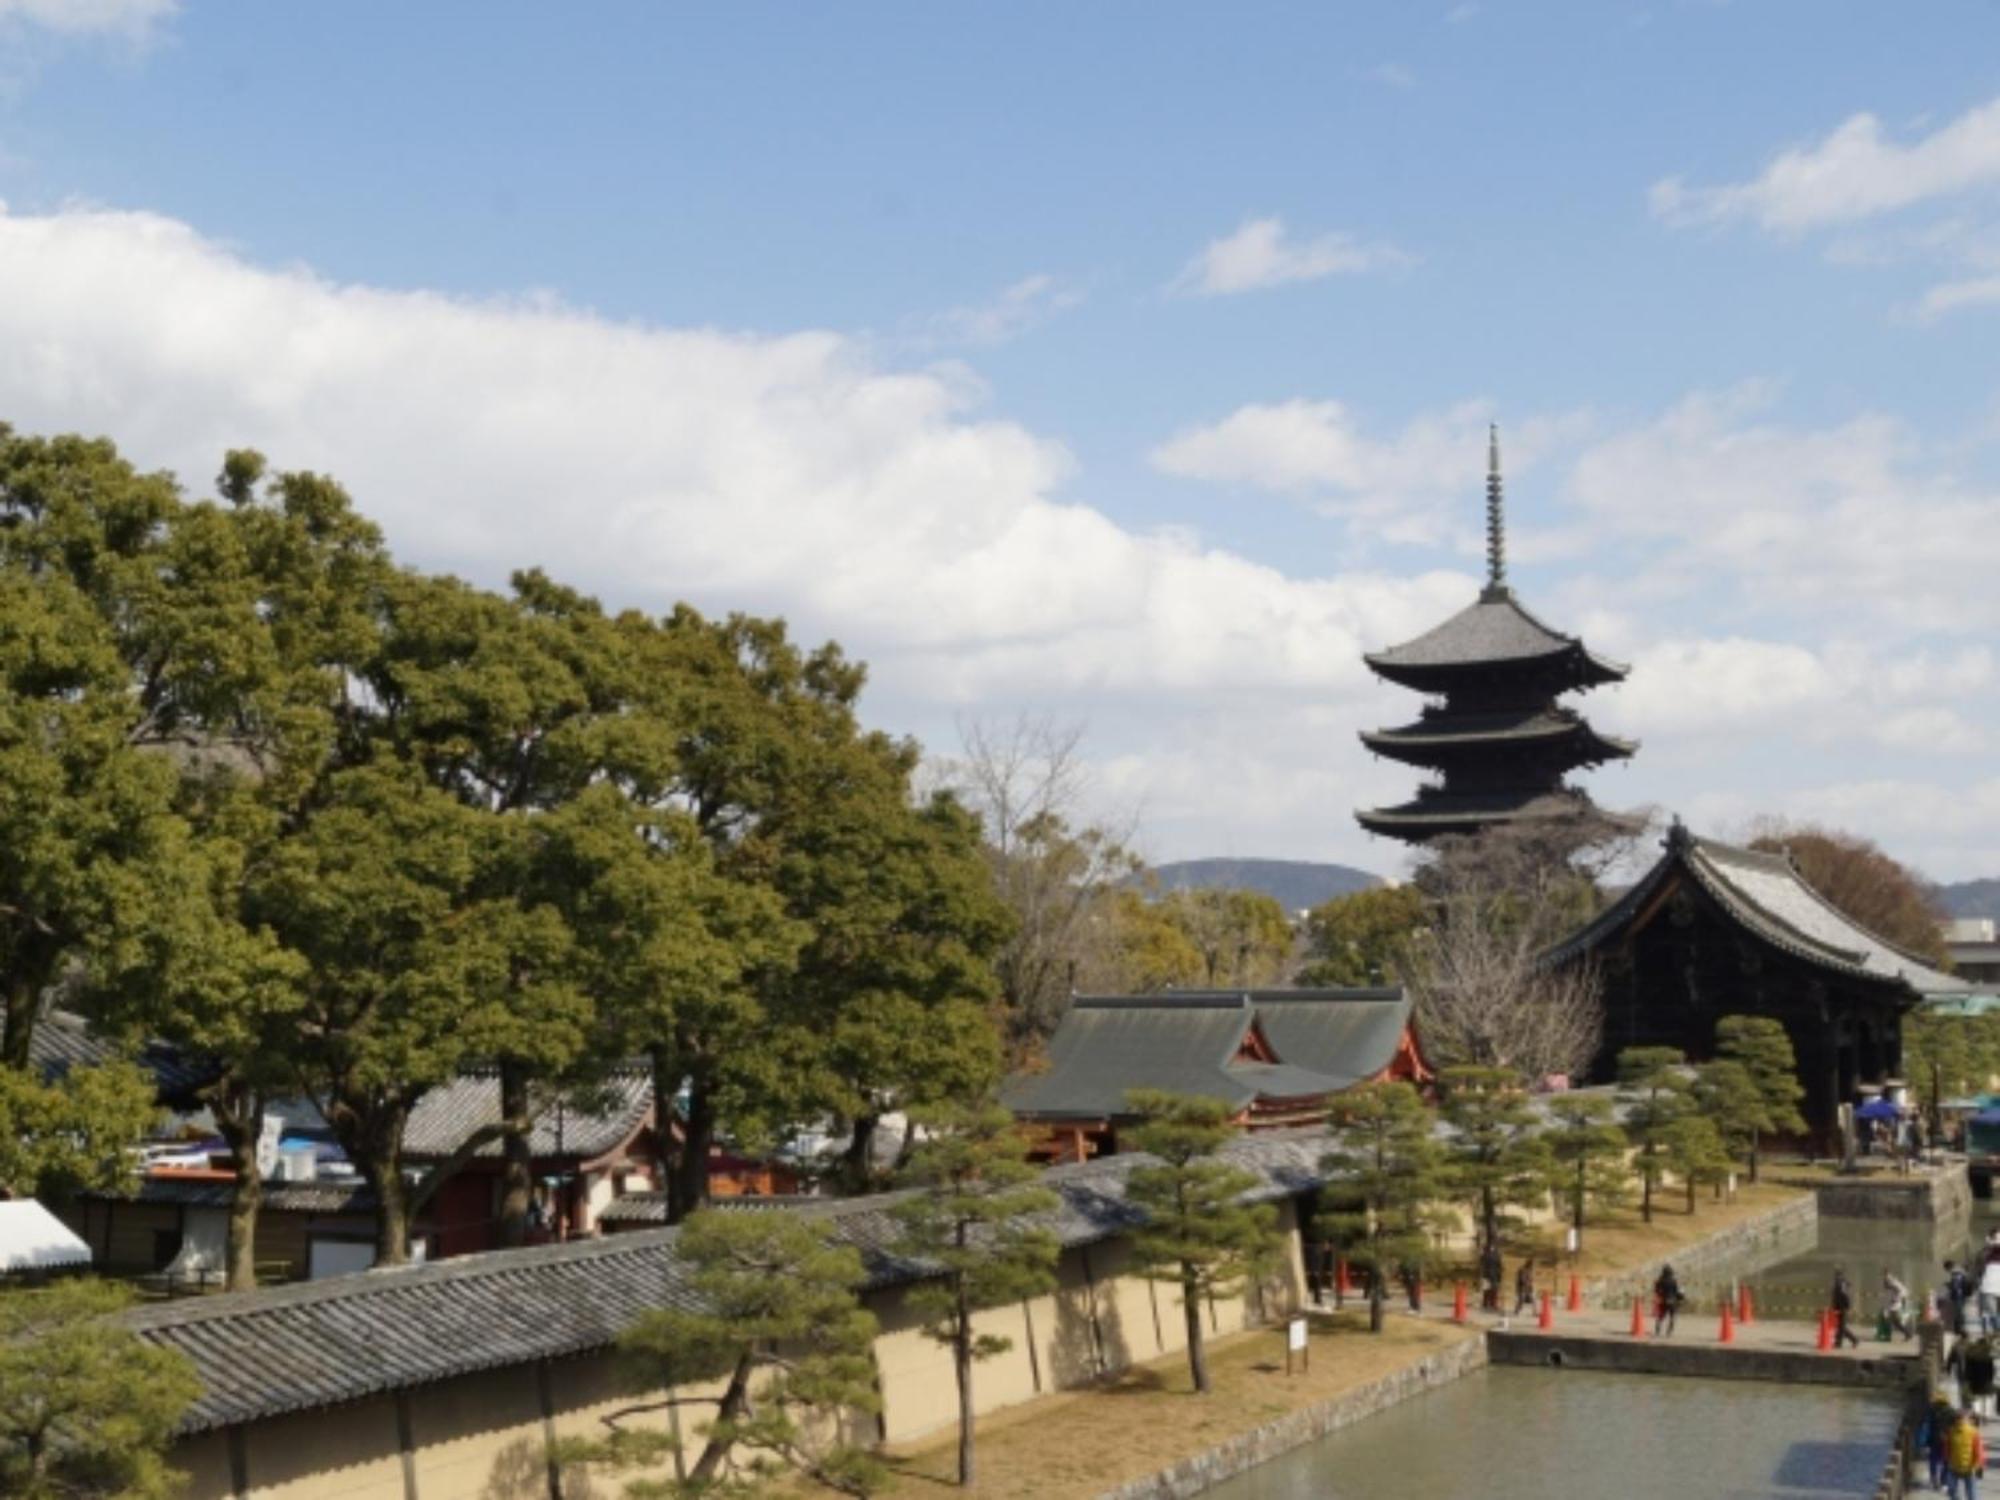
point(585, 1126)
point(262, 1353)
point(1766, 894)
point(63, 1041)
point(1347, 1035)
point(1496, 628)
point(1185, 1043)
point(33, 1239)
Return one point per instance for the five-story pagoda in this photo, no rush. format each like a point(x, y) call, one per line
point(1494, 733)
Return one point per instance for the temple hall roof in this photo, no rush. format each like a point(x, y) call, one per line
point(1769, 897)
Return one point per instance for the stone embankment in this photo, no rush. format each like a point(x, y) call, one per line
point(1790, 1229)
point(1938, 1194)
point(1262, 1444)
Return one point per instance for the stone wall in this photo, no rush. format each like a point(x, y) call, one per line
point(1940, 1194)
point(1262, 1444)
point(1775, 1235)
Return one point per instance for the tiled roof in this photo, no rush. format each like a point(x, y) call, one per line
point(1494, 629)
point(330, 1197)
point(1185, 1043)
point(1445, 811)
point(1346, 1035)
point(263, 1353)
point(1768, 896)
point(62, 1041)
point(1452, 731)
point(583, 1126)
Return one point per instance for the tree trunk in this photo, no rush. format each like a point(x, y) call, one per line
point(1646, 1187)
point(1489, 1220)
point(961, 1358)
point(1375, 1298)
point(1191, 1308)
point(242, 1129)
point(859, 1166)
point(380, 1159)
point(1690, 1188)
point(24, 995)
point(1753, 1155)
point(726, 1412)
point(687, 1185)
point(517, 1170)
point(1576, 1216)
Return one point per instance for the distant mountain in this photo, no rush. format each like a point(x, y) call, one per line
point(1971, 898)
point(1294, 883)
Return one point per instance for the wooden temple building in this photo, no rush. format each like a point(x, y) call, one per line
point(1273, 1056)
point(1493, 734)
point(1711, 931)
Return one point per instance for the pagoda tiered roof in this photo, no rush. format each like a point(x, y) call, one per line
point(1495, 630)
point(1438, 736)
point(1435, 812)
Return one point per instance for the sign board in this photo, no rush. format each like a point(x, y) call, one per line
point(1570, 1239)
point(1295, 1335)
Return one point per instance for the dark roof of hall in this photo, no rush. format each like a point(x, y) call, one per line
point(1766, 894)
point(1186, 1042)
point(1495, 629)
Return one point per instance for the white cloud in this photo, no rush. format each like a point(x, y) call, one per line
point(1721, 686)
point(1029, 302)
point(1393, 75)
point(785, 474)
point(1955, 296)
point(1260, 254)
point(1855, 173)
point(134, 20)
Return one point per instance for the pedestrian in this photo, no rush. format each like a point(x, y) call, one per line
point(1842, 1303)
point(1524, 1286)
point(1964, 1458)
point(1667, 1298)
point(1957, 1290)
point(1491, 1269)
point(1989, 1294)
point(1932, 1433)
point(1976, 1376)
point(1896, 1305)
point(1413, 1285)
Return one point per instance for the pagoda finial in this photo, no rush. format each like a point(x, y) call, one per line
point(1496, 534)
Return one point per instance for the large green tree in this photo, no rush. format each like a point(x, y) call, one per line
point(87, 1409)
point(1587, 1150)
point(972, 1218)
point(1365, 937)
point(1496, 1159)
point(1386, 1169)
point(1199, 1235)
point(1659, 1095)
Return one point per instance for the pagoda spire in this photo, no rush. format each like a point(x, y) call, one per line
point(1496, 531)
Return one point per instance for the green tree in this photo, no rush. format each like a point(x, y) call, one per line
point(782, 1328)
point(1387, 1169)
point(1244, 938)
point(973, 1219)
point(1148, 951)
point(1656, 1083)
point(1764, 1049)
point(1363, 938)
point(87, 1409)
point(1696, 1154)
point(1727, 1096)
point(1495, 1157)
point(1198, 1234)
point(71, 1132)
point(1587, 1155)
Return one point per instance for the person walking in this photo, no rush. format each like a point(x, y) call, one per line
point(1667, 1299)
point(1976, 1372)
point(1957, 1292)
point(1964, 1458)
point(1932, 1433)
point(1896, 1305)
point(1842, 1302)
point(1989, 1292)
point(1491, 1269)
point(1524, 1286)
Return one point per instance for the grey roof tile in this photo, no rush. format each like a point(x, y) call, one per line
point(1495, 628)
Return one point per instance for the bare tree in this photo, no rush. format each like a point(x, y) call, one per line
point(1495, 902)
point(1053, 867)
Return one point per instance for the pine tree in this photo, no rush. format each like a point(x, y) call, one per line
point(1696, 1153)
point(783, 1327)
point(1656, 1079)
point(1764, 1048)
point(1199, 1234)
point(972, 1217)
point(1587, 1151)
point(1388, 1170)
point(87, 1409)
point(1728, 1097)
point(1495, 1156)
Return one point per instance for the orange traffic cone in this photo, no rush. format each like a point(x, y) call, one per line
point(1547, 1317)
point(1575, 1303)
point(1458, 1302)
point(1745, 1313)
point(1638, 1318)
point(1728, 1333)
point(1825, 1341)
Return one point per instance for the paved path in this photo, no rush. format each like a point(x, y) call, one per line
point(1702, 1328)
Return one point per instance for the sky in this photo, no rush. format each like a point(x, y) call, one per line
point(1125, 365)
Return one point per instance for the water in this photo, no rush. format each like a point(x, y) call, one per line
point(1915, 1252)
point(1523, 1434)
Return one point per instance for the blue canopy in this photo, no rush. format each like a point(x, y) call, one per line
point(1877, 1109)
point(1987, 1117)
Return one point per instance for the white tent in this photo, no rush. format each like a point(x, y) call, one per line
point(33, 1239)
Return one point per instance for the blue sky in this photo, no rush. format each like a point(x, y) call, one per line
point(1122, 363)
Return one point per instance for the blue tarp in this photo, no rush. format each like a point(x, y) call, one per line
point(1987, 1117)
point(1877, 1109)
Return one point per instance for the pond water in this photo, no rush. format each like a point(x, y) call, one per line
point(1915, 1252)
point(1522, 1434)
